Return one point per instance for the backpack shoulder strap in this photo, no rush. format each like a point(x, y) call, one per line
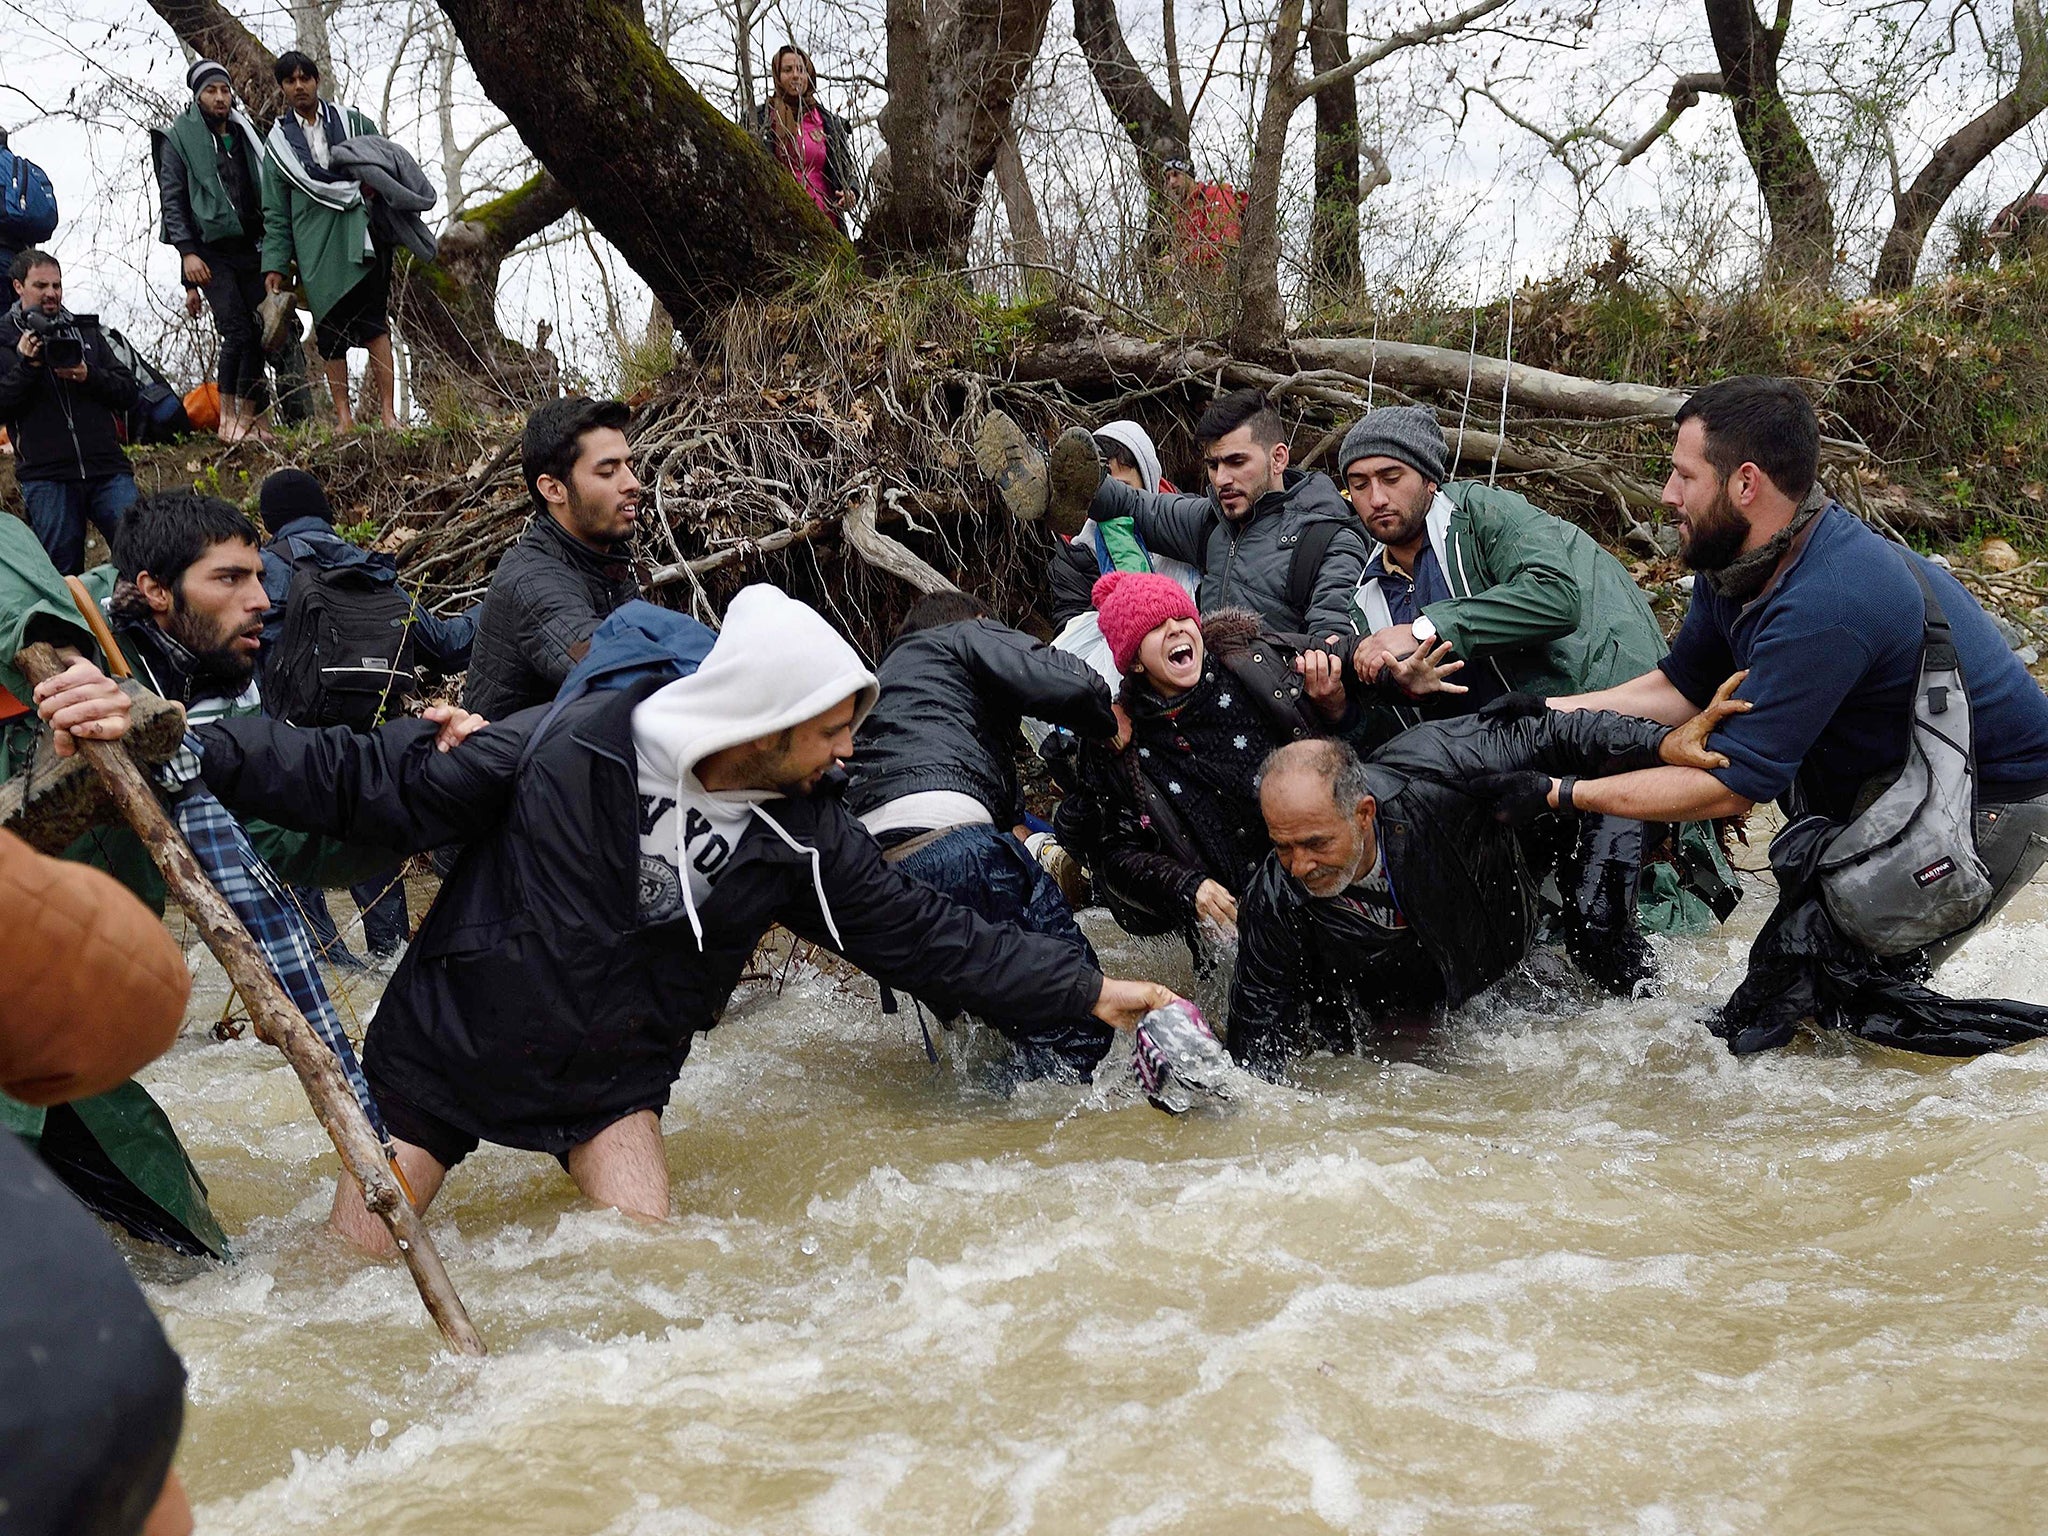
point(1307, 564)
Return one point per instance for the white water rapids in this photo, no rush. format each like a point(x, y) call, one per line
point(1576, 1269)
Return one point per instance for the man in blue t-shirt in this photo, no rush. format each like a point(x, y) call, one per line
point(1825, 617)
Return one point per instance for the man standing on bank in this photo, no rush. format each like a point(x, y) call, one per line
point(315, 222)
point(209, 175)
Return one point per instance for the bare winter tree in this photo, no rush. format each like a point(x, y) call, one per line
point(1262, 316)
point(1916, 206)
point(1158, 128)
point(955, 67)
point(1333, 224)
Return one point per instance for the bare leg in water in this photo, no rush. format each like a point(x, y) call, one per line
point(622, 1167)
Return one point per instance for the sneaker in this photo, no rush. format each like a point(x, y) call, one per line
point(54, 801)
point(1006, 456)
point(1076, 474)
point(1180, 1061)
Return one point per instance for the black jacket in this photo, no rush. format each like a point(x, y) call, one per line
point(549, 592)
point(442, 643)
point(1458, 874)
point(1071, 579)
point(63, 431)
point(953, 700)
point(1249, 564)
point(1147, 862)
point(179, 229)
point(533, 1009)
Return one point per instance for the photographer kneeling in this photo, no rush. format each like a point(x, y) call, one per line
point(60, 392)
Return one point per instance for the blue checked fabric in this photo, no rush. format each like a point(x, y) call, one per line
point(266, 910)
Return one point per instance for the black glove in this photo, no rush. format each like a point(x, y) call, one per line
point(1512, 706)
point(1518, 798)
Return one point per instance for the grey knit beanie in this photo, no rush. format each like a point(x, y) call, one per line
point(1405, 432)
point(203, 70)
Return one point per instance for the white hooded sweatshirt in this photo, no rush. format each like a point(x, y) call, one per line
point(776, 664)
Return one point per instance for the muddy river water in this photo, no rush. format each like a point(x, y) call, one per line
point(1576, 1269)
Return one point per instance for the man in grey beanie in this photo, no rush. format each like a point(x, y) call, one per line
point(1532, 605)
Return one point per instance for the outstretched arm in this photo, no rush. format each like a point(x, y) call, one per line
point(1653, 696)
point(395, 787)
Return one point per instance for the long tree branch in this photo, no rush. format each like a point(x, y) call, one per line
point(1686, 91)
point(1427, 32)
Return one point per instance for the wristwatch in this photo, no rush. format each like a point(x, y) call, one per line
point(1423, 630)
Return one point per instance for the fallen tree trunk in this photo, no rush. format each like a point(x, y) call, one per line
point(278, 1022)
point(1107, 358)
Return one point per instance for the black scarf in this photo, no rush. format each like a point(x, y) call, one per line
point(1746, 575)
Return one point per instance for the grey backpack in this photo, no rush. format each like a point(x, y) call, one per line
point(1905, 873)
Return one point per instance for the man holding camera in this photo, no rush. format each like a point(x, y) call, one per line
point(60, 394)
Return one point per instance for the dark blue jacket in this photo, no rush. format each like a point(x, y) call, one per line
point(443, 644)
point(1833, 650)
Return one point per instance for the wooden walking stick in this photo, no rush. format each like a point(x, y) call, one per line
point(278, 1021)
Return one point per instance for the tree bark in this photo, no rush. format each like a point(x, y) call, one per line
point(448, 307)
point(1802, 247)
point(1963, 151)
point(955, 67)
point(695, 206)
point(1110, 359)
point(1027, 233)
point(1333, 225)
point(1262, 317)
point(212, 31)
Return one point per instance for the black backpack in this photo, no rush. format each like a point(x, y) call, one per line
point(158, 414)
point(345, 656)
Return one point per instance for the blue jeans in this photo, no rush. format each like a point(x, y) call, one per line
point(990, 873)
point(57, 510)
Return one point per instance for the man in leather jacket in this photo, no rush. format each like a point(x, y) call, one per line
point(1398, 883)
point(569, 570)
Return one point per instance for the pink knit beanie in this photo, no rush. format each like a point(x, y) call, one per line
point(1134, 603)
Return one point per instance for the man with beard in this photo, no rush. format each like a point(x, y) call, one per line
point(569, 570)
point(209, 174)
point(1267, 537)
point(61, 416)
point(1826, 618)
point(1532, 605)
point(188, 616)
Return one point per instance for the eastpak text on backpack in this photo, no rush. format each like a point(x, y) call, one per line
point(345, 656)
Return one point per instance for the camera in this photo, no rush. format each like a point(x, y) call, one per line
point(63, 343)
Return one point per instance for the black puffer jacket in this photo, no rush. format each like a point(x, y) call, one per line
point(1458, 875)
point(1248, 564)
point(60, 430)
point(953, 699)
point(1127, 816)
point(549, 592)
point(533, 1009)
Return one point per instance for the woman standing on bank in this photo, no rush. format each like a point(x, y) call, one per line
point(813, 145)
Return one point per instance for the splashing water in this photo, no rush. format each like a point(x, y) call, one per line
point(1573, 1269)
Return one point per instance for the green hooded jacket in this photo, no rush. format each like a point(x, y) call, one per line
point(1532, 596)
point(330, 246)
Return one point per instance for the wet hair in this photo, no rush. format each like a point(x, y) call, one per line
point(1756, 420)
point(1241, 408)
point(554, 434)
point(293, 62)
point(1116, 453)
point(1332, 761)
point(936, 608)
point(165, 533)
point(27, 261)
